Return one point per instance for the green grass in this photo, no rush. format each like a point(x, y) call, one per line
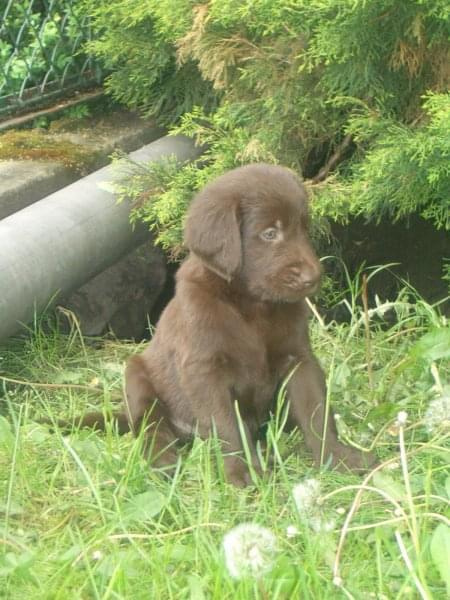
point(83, 515)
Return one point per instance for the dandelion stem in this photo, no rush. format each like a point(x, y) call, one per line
point(327, 411)
point(153, 536)
point(412, 508)
point(54, 386)
point(347, 593)
point(354, 507)
point(436, 516)
point(409, 566)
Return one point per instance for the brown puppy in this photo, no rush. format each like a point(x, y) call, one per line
point(237, 325)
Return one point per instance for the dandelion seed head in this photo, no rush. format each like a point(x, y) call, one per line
point(402, 417)
point(321, 525)
point(306, 496)
point(249, 550)
point(437, 415)
point(97, 555)
point(337, 581)
point(308, 502)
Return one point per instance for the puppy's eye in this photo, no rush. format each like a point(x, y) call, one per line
point(270, 234)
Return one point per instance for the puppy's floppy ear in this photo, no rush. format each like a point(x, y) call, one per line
point(212, 230)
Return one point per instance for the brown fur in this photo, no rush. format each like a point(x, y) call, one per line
point(237, 325)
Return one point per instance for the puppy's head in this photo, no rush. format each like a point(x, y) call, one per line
point(251, 226)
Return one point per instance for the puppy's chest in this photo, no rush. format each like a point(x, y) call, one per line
point(265, 357)
point(256, 378)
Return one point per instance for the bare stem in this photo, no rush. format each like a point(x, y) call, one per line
point(334, 159)
point(365, 302)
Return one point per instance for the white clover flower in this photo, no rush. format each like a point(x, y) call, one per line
point(249, 550)
point(306, 495)
point(291, 531)
point(437, 415)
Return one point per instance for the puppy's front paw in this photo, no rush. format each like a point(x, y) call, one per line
point(236, 471)
point(345, 458)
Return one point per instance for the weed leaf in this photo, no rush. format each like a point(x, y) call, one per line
point(440, 552)
point(144, 506)
point(70, 554)
point(434, 345)
point(388, 484)
point(18, 564)
point(196, 587)
point(6, 435)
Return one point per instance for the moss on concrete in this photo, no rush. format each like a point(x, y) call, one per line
point(40, 144)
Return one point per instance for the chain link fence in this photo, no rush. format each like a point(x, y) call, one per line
point(42, 54)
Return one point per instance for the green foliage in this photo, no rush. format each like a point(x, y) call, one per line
point(404, 169)
point(136, 45)
point(36, 39)
point(286, 81)
point(170, 189)
point(161, 192)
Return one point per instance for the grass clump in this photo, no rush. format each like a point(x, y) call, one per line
point(84, 516)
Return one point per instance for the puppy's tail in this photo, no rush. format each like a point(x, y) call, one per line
point(94, 420)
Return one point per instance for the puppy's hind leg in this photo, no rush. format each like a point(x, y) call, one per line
point(145, 411)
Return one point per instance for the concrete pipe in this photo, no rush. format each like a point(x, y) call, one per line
point(57, 244)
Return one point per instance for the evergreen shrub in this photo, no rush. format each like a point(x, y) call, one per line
point(353, 94)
